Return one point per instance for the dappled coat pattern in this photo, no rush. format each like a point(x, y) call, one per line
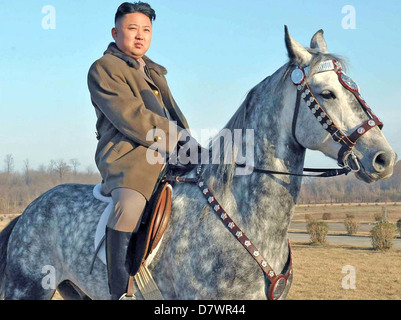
point(198, 258)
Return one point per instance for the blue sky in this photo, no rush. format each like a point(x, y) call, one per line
point(215, 51)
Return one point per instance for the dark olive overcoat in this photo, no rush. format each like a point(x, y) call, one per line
point(130, 107)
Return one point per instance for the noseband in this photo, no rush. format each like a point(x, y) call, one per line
point(346, 157)
point(278, 282)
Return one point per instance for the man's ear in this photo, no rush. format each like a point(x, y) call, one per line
point(114, 33)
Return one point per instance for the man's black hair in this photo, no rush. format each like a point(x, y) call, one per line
point(131, 7)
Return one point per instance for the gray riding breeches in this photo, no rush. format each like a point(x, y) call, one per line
point(128, 209)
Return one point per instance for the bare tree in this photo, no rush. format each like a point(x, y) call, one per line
point(27, 170)
point(61, 167)
point(51, 167)
point(89, 170)
point(42, 168)
point(75, 164)
point(9, 163)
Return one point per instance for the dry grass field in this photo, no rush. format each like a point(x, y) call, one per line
point(318, 269)
point(318, 273)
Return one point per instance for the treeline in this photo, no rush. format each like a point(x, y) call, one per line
point(19, 189)
point(347, 189)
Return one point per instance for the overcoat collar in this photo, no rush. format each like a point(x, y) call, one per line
point(132, 62)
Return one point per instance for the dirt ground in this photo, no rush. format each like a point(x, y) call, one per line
point(327, 272)
point(321, 271)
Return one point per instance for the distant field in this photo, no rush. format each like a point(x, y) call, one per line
point(5, 220)
point(318, 273)
point(363, 212)
point(318, 269)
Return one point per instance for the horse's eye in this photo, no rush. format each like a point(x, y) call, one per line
point(327, 94)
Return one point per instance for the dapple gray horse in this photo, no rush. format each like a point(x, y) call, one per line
point(198, 258)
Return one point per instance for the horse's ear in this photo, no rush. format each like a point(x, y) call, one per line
point(318, 42)
point(296, 52)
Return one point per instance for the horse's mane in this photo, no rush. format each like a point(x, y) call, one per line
point(239, 119)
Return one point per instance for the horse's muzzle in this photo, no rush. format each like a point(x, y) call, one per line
point(381, 166)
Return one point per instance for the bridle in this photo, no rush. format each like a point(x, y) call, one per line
point(346, 157)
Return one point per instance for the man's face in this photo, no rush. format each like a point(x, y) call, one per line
point(133, 34)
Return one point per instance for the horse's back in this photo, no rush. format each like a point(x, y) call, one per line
point(63, 206)
point(66, 212)
point(55, 233)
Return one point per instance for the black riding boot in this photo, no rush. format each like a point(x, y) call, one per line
point(116, 252)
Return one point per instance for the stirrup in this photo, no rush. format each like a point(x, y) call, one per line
point(125, 297)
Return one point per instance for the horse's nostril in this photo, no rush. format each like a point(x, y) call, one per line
point(381, 161)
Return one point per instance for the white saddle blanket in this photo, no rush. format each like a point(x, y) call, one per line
point(101, 226)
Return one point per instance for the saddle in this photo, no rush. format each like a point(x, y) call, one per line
point(153, 224)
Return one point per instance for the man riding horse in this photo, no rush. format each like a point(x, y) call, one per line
point(136, 114)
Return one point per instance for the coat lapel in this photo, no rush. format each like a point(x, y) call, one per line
point(156, 72)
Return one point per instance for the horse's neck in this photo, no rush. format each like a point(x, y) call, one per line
point(262, 203)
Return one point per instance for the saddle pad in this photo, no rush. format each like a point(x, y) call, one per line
point(101, 227)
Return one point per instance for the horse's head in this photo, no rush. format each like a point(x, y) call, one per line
point(330, 114)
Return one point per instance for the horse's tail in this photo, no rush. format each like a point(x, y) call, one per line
point(4, 237)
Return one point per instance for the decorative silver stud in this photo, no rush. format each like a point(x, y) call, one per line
point(361, 130)
point(325, 126)
point(271, 274)
point(216, 207)
point(231, 225)
point(201, 184)
point(210, 199)
point(264, 264)
point(247, 243)
point(223, 216)
point(329, 122)
point(297, 76)
point(239, 234)
point(319, 118)
point(205, 191)
point(372, 123)
point(256, 253)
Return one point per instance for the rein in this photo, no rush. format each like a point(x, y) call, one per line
point(278, 282)
point(324, 173)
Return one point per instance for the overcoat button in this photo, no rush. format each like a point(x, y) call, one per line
point(156, 92)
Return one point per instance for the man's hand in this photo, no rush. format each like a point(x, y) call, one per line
point(190, 151)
